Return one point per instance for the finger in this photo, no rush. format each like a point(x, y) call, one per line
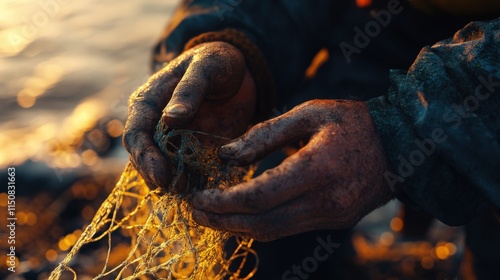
point(214, 73)
point(268, 221)
point(150, 162)
point(270, 136)
point(145, 108)
point(272, 188)
point(292, 218)
point(186, 99)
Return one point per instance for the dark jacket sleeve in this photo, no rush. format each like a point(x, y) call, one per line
point(288, 32)
point(440, 125)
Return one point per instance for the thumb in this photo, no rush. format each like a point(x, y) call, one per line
point(216, 72)
point(271, 135)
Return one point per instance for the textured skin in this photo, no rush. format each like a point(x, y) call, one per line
point(331, 183)
point(212, 82)
point(452, 88)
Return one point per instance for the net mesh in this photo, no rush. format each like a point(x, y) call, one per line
point(149, 234)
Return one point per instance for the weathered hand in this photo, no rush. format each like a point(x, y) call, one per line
point(207, 88)
point(332, 182)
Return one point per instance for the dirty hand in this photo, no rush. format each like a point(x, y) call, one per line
point(207, 88)
point(331, 183)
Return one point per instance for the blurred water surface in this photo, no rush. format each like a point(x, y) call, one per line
point(66, 64)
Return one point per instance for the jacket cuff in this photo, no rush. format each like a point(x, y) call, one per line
point(256, 63)
point(418, 173)
point(391, 127)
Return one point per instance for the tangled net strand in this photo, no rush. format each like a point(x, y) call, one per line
point(150, 234)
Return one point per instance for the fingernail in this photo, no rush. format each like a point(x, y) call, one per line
point(231, 148)
point(176, 110)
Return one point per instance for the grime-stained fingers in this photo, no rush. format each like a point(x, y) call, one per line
point(213, 73)
point(145, 106)
point(268, 190)
point(208, 71)
point(291, 218)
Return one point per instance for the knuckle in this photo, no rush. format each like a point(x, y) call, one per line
point(135, 146)
point(127, 138)
point(260, 131)
point(141, 154)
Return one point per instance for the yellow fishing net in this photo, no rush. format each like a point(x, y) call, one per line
point(139, 233)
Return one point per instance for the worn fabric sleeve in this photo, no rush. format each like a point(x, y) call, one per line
point(440, 125)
